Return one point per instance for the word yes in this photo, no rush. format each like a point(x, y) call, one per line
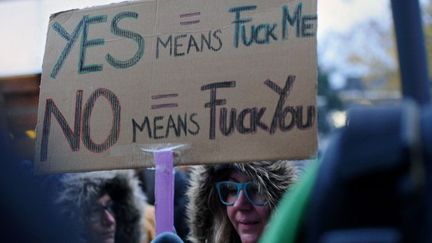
point(83, 27)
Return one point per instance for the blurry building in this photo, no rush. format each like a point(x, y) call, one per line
point(357, 92)
point(18, 106)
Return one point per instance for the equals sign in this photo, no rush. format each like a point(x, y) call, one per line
point(164, 105)
point(189, 16)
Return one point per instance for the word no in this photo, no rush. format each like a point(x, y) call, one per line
point(81, 129)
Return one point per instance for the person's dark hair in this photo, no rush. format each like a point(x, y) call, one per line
point(125, 211)
point(26, 208)
point(82, 190)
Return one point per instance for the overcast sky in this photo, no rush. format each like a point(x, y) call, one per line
point(23, 26)
point(341, 15)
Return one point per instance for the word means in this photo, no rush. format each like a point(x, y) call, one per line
point(162, 126)
point(182, 44)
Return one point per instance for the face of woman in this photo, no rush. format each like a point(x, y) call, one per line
point(102, 223)
point(248, 220)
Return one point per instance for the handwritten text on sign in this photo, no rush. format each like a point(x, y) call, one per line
point(243, 79)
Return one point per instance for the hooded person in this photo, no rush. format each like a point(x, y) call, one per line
point(108, 206)
point(233, 202)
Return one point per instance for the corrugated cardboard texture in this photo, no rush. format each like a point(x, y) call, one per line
point(234, 80)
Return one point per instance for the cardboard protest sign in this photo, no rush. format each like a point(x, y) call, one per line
point(235, 80)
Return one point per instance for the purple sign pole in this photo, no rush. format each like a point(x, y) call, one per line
point(164, 191)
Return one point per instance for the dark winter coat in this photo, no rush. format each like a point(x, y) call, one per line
point(207, 217)
point(81, 190)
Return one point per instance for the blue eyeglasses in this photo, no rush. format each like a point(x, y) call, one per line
point(229, 191)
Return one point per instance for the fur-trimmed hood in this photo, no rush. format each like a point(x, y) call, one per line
point(207, 217)
point(80, 190)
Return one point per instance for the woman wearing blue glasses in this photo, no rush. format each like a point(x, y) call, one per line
point(233, 202)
